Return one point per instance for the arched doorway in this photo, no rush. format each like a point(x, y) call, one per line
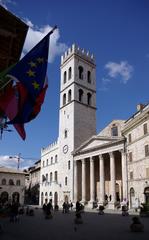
point(55, 198)
point(66, 198)
point(132, 197)
point(4, 197)
point(15, 197)
point(146, 193)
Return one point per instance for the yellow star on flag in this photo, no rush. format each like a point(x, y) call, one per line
point(32, 64)
point(40, 60)
point(36, 85)
point(31, 73)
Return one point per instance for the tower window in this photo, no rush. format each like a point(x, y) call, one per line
point(65, 181)
point(89, 77)
point(47, 162)
point(64, 99)
point(69, 165)
point(89, 98)
point(65, 133)
point(80, 68)
point(114, 131)
point(69, 73)
point(69, 95)
point(51, 160)
point(80, 95)
point(65, 76)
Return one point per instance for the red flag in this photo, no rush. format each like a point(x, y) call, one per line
point(9, 105)
point(38, 103)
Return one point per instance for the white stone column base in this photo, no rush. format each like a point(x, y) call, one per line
point(83, 202)
point(101, 203)
point(90, 204)
point(111, 205)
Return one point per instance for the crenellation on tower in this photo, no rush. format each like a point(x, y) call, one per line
point(74, 49)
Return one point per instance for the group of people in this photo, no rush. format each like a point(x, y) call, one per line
point(66, 206)
point(47, 209)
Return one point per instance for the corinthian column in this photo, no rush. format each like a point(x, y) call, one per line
point(83, 181)
point(112, 179)
point(75, 181)
point(102, 179)
point(92, 186)
point(124, 174)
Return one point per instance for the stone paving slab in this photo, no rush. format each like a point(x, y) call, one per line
point(62, 227)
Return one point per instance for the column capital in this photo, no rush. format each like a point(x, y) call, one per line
point(92, 159)
point(111, 154)
point(83, 161)
point(122, 151)
point(101, 156)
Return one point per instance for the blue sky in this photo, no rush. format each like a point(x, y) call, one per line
point(115, 31)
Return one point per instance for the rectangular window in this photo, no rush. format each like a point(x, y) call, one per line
point(147, 172)
point(131, 175)
point(146, 150)
point(145, 128)
point(129, 138)
point(130, 157)
point(114, 131)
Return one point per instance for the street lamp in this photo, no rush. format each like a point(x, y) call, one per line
point(18, 158)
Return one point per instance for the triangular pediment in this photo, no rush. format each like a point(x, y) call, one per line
point(96, 141)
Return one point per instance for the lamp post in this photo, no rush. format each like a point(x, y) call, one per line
point(18, 158)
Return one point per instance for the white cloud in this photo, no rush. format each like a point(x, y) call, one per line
point(12, 162)
point(6, 161)
point(122, 69)
point(35, 34)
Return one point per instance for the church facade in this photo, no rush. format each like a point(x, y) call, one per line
point(86, 166)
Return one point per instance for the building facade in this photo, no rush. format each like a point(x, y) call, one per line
point(12, 185)
point(136, 132)
point(82, 165)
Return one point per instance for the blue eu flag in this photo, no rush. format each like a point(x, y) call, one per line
point(30, 71)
